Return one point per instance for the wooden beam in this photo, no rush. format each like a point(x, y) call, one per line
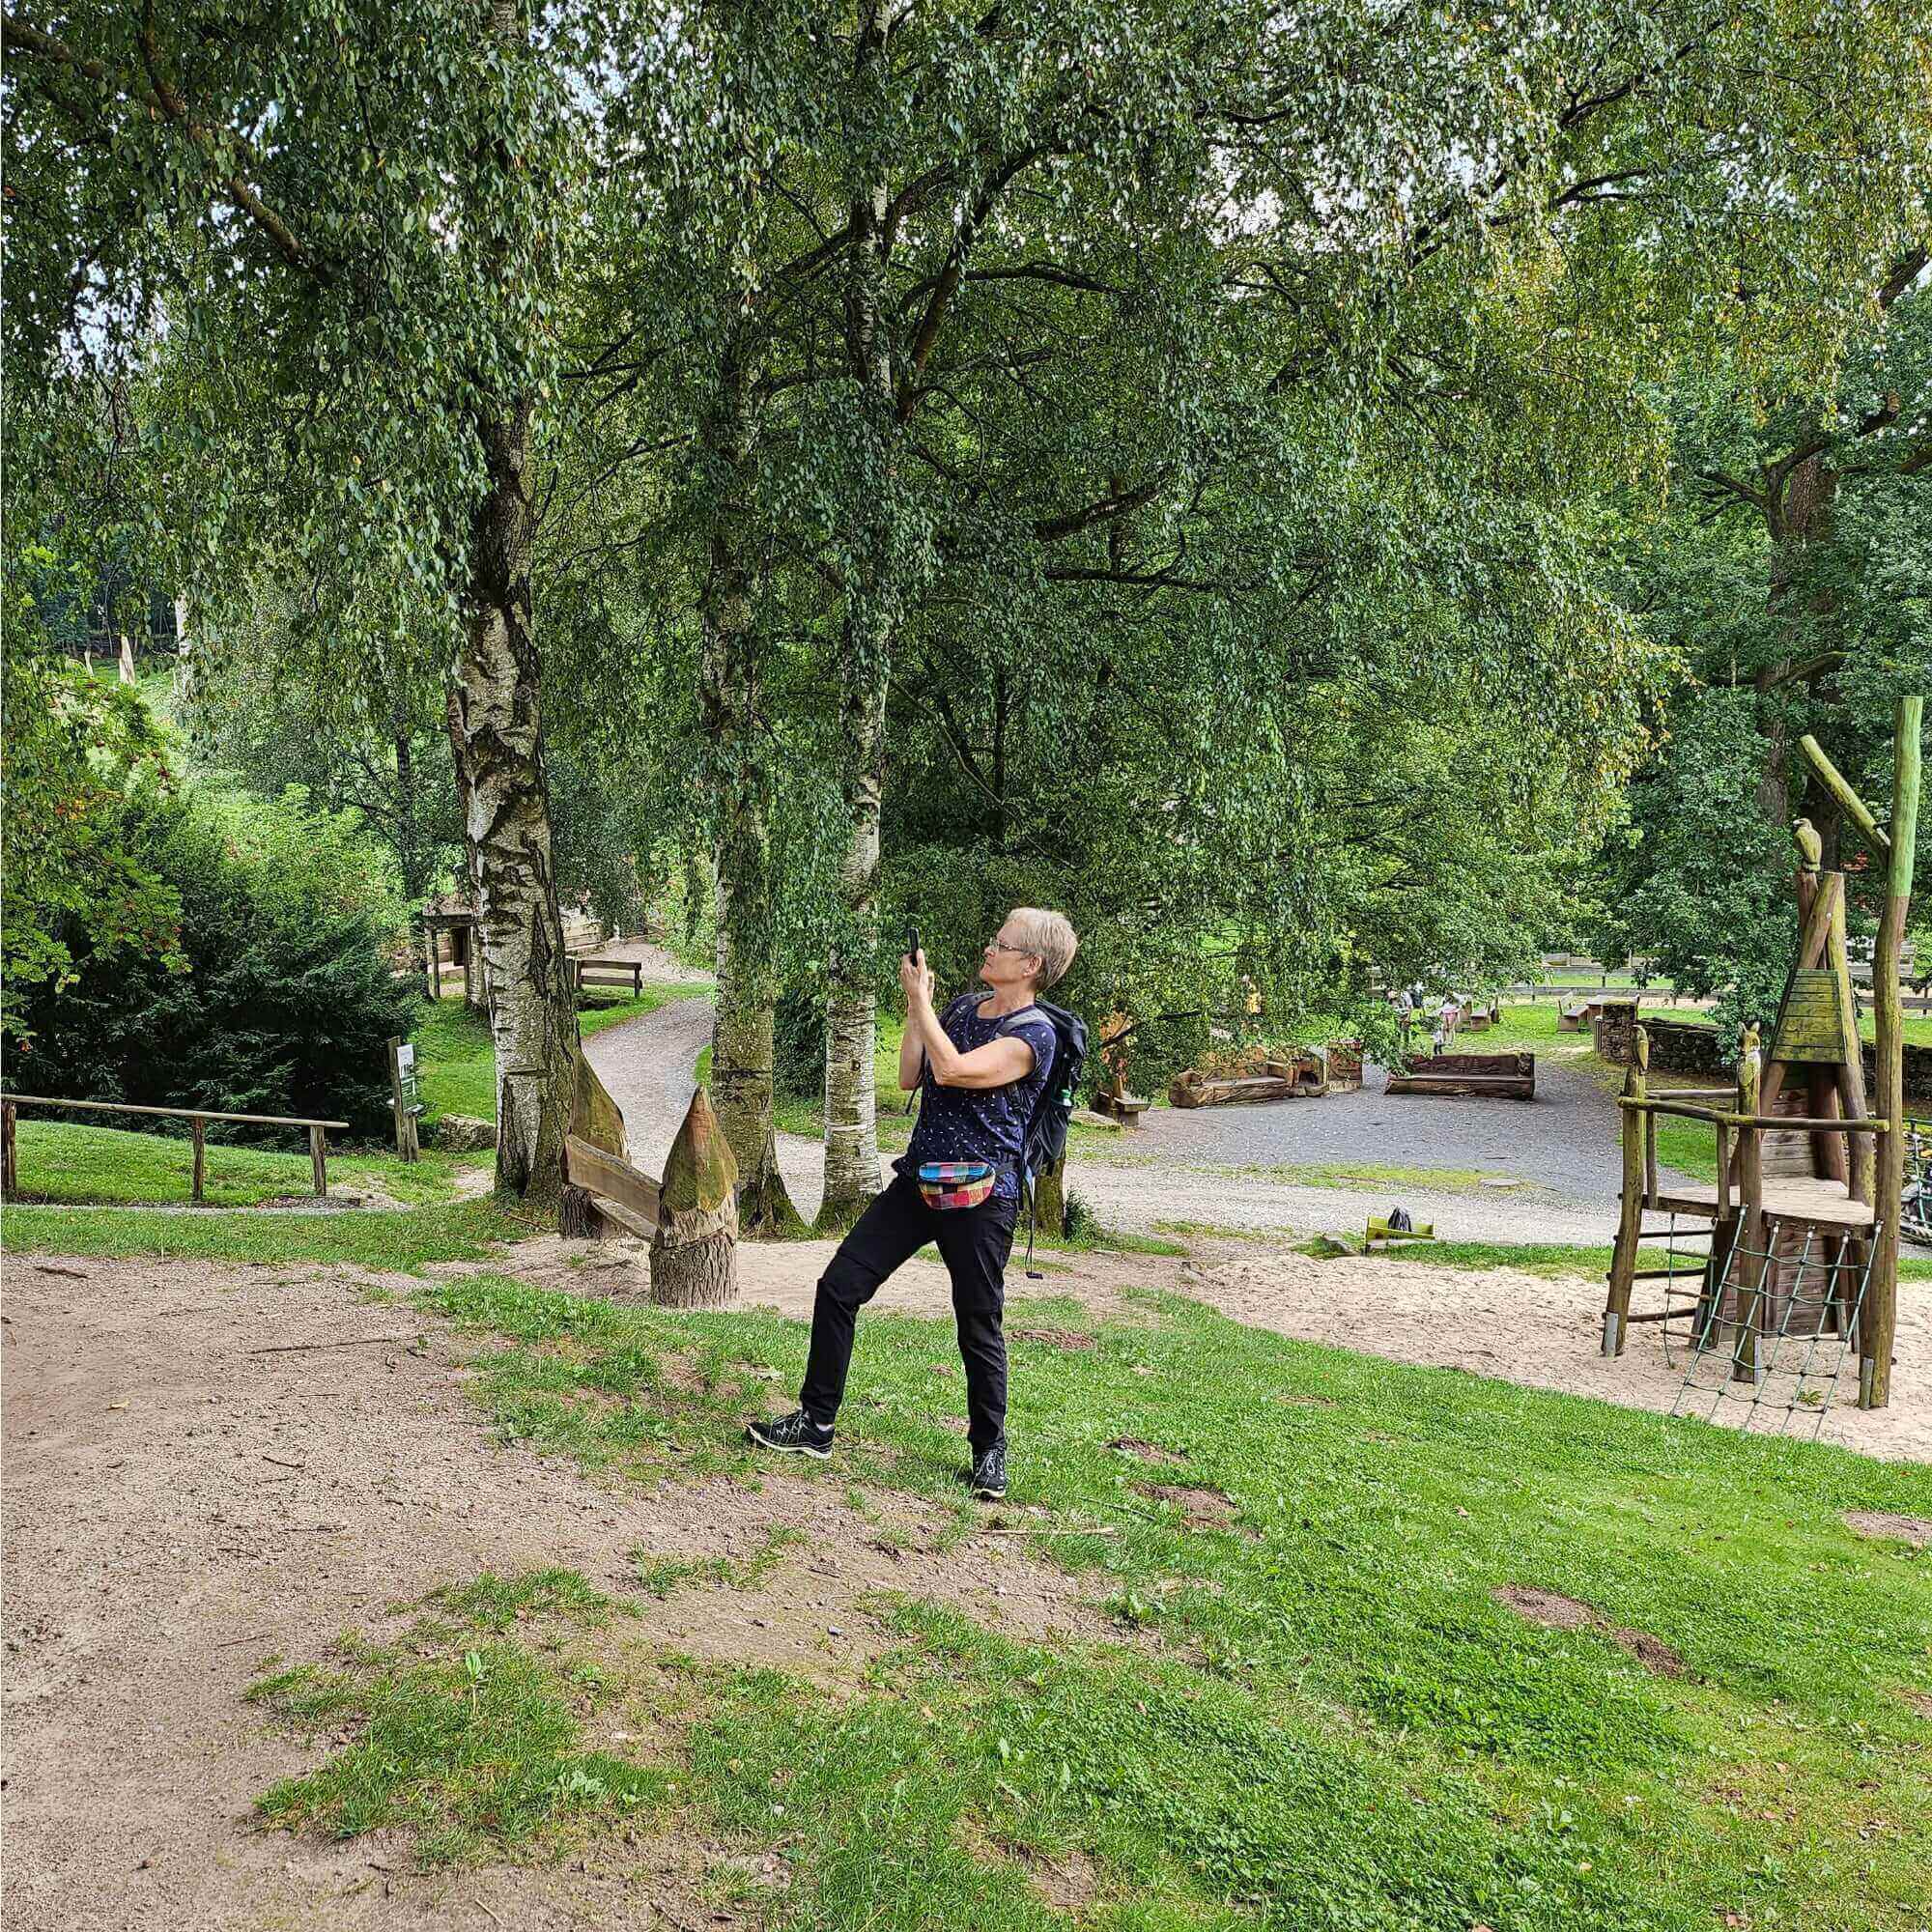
point(1835, 782)
point(1630, 1212)
point(1746, 1302)
point(604, 1175)
point(173, 1113)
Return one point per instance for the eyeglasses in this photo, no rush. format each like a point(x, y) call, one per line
point(999, 945)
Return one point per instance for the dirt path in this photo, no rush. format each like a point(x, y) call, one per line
point(1564, 1140)
point(650, 1067)
point(181, 1508)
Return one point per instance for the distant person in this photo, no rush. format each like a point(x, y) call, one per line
point(979, 1068)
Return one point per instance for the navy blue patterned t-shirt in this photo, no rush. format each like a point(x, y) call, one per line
point(980, 1123)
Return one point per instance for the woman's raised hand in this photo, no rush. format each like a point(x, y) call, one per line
point(916, 977)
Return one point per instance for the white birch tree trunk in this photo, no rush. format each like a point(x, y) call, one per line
point(495, 733)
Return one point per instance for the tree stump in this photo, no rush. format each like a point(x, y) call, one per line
point(694, 1251)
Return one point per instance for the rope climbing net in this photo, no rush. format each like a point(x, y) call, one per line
point(1769, 1348)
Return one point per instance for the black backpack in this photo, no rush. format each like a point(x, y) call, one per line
point(1046, 1132)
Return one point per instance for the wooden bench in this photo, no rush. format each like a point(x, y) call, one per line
point(198, 1117)
point(611, 973)
point(623, 1198)
point(1498, 1076)
point(1122, 1106)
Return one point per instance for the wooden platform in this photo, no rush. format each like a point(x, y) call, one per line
point(1795, 1199)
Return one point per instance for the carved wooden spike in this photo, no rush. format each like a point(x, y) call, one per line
point(694, 1251)
point(594, 1115)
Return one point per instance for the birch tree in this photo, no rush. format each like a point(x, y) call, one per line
point(351, 226)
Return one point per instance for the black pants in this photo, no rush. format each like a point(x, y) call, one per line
point(974, 1243)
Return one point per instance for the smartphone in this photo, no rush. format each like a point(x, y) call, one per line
point(912, 944)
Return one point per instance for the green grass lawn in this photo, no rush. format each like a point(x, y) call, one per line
point(1317, 1713)
point(459, 1064)
point(63, 1162)
point(399, 1238)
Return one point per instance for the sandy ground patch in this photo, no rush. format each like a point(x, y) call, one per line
point(783, 1275)
point(1542, 1332)
point(180, 1508)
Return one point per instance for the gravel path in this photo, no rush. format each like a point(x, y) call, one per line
point(1557, 1141)
point(1207, 1166)
point(650, 1067)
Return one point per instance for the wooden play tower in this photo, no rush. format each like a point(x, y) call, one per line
point(1800, 1266)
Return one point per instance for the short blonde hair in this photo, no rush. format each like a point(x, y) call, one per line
point(1049, 935)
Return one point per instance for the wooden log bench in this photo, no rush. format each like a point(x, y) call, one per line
point(609, 973)
point(1192, 1089)
point(1345, 1065)
point(622, 1200)
point(198, 1118)
point(1497, 1076)
point(1305, 1077)
point(1115, 1101)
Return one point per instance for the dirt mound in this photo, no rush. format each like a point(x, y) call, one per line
point(1146, 1452)
point(1203, 1507)
point(1888, 1525)
point(1069, 1883)
point(1555, 1611)
point(1055, 1338)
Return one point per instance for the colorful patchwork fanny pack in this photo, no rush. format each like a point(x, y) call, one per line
point(955, 1183)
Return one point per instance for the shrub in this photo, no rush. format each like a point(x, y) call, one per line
point(285, 1000)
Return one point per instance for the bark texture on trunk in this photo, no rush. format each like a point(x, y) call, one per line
point(851, 1013)
point(740, 1040)
point(495, 731)
point(852, 1017)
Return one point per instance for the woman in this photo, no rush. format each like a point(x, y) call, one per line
point(979, 1067)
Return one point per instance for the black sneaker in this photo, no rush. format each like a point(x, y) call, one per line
point(989, 1475)
point(794, 1435)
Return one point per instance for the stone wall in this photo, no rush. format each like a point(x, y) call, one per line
point(1678, 1047)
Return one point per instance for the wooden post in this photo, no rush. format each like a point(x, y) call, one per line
point(1881, 1320)
point(10, 1164)
point(694, 1251)
point(1746, 1301)
point(408, 1145)
point(317, 1154)
point(199, 1127)
point(1629, 1216)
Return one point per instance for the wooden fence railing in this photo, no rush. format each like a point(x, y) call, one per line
point(199, 1118)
